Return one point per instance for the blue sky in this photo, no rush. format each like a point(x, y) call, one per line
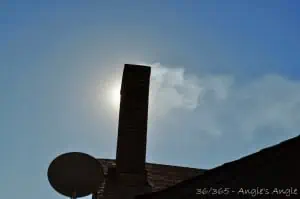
point(224, 83)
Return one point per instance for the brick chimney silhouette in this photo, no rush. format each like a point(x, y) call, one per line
point(133, 116)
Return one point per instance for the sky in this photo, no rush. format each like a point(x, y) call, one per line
point(224, 83)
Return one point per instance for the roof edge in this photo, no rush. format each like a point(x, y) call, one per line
point(210, 172)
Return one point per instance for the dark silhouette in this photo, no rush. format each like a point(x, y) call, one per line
point(133, 117)
point(75, 174)
point(270, 173)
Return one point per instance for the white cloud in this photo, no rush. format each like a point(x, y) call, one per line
point(219, 105)
point(172, 88)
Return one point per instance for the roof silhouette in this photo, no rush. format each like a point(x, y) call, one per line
point(273, 167)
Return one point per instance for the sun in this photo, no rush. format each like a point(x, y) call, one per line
point(114, 96)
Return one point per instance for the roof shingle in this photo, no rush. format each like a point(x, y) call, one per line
point(159, 176)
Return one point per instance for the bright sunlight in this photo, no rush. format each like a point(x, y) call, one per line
point(114, 96)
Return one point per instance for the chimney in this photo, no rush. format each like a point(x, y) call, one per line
point(133, 116)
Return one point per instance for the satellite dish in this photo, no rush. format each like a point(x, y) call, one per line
point(75, 174)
